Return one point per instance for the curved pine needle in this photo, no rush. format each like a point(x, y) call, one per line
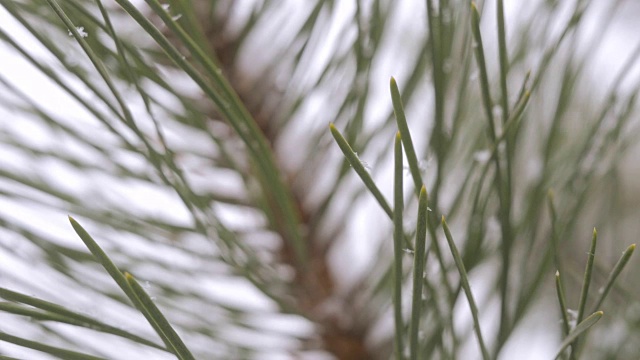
point(238, 117)
point(58, 313)
point(579, 330)
point(357, 166)
point(48, 349)
point(126, 287)
point(168, 333)
point(407, 143)
point(464, 280)
point(617, 269)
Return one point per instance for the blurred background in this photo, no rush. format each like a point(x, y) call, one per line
point(177, 196)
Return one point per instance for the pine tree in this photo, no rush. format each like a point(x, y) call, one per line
point(243, 181)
